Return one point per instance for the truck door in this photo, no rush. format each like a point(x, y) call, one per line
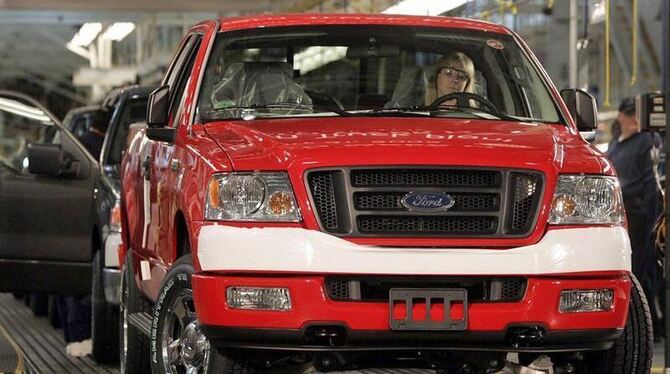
point(155, 160)
point(46, 196)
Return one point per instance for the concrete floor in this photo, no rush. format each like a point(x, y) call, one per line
point(44, 350)
point(659, 352)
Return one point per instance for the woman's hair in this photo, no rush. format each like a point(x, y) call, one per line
point(454, 58)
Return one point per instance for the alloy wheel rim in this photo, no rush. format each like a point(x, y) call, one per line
point(185, 349)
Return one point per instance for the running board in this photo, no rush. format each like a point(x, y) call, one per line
point(141, 321)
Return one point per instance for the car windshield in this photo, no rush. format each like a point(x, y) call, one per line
point(371, 71)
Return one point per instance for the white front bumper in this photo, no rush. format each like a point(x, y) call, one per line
point(297, 250)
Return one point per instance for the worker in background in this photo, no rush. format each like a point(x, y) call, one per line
point(631, 155)
point(93, 138)
point(75, 310)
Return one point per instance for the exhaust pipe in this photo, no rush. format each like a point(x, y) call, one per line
point(526, 336)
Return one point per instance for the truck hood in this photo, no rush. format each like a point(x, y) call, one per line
point(304, 143)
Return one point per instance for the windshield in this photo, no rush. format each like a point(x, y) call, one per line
point(366, 70)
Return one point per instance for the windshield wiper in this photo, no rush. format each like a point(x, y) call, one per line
point(339, 111)
point(408, 111)
point(262, 106)
point(472, 110)
point(252, 109)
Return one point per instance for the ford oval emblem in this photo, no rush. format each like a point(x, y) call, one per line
point(427, 201)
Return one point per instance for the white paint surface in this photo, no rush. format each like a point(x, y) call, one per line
point(112, 249)
point(298, 250)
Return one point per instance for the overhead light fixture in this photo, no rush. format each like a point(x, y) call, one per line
point(79, 50)
point(86, 34)
point(598, 14)
point(118, 31)
point(424, 7)
point(23, 110)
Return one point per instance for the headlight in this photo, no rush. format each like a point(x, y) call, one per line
point(251, 197)
point(587, 200)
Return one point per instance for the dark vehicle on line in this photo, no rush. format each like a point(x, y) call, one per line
point(78, 120)
point(46, 198)
point(59, 230)
point(125, 106)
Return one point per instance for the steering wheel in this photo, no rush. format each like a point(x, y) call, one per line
point(463, 101)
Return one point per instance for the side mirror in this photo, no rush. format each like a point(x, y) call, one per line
point(582, 107)
point(157, 110)
point(47, 159)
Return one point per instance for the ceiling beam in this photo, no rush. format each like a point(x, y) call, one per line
point(47, 85)
point(222, 7)
point(77, 18)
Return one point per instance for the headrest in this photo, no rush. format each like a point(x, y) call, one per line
point(410, 90)
point(258, 83)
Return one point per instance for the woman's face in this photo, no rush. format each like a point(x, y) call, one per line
point(452, 78)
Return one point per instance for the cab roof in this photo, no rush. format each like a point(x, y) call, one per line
point(311, 19)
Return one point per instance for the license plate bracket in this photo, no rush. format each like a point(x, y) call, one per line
point(446, 297)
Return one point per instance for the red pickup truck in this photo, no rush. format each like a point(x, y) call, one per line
point(355, 190)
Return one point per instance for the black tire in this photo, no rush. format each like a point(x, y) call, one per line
point(134, 359)
point(632, 351)
point(39, 304)
point(52, 312)
point(17, 295)
point(104, 318)
point(177, 287)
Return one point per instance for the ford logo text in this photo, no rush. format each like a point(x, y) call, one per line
point(427, 202)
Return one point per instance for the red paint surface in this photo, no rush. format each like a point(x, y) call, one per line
point(310, 304)
point(299, 145)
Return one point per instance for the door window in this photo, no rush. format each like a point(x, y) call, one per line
point(134, 111)
point(184, 76)
point(22, 123)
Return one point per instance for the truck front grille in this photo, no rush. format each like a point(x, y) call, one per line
point(424, 178)
point(376, 289)
point(323, 193)
point(480, 202)
point(493, 203)
point(427, 225)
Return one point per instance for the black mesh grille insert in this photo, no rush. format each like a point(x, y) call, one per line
point(493, 203)
point(512, 288)
point(526, 197)
point(323, 193)
point(480, 202)
point(337, 289)
point(425, 178)
point(376, 289)
point(441, 225)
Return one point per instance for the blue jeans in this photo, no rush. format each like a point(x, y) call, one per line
point(74, 313)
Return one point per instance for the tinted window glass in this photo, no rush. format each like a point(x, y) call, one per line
point(133, 111)
point(22, 123)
